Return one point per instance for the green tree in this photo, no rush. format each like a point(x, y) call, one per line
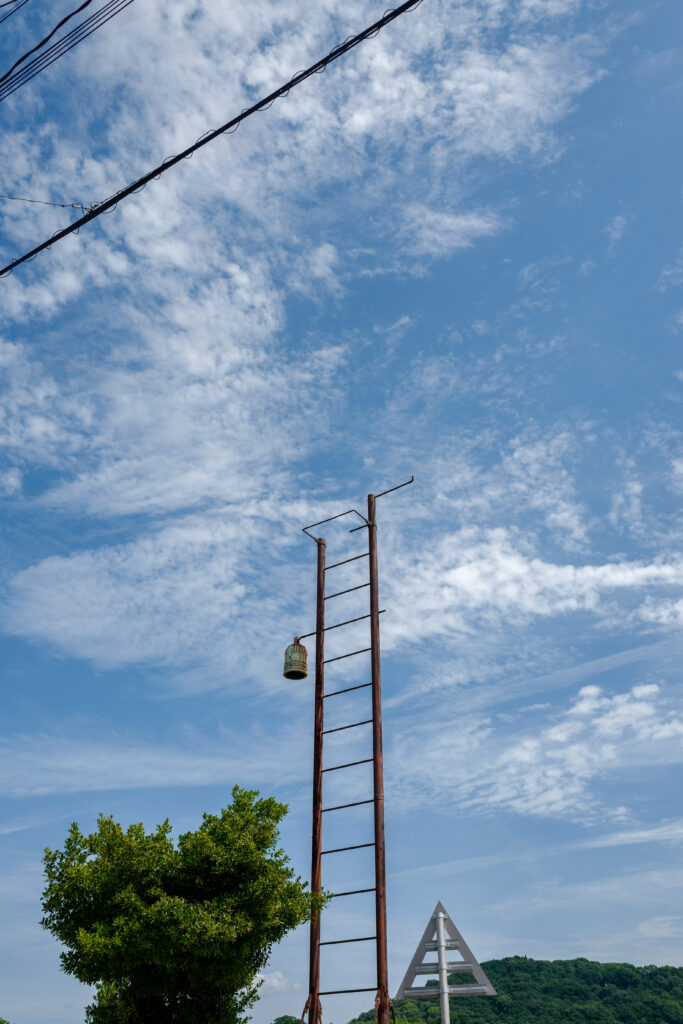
point(174, 933)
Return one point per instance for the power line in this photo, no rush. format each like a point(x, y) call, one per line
point(228, 127)
point(61, 46)
point(44, 202)
point(47, 38)
point(15, 7)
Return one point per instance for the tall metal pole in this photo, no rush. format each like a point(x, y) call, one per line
point(314, 1012)
point(443, 967)
point(378, 777)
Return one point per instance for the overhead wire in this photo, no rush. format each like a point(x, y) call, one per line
point(15, 7)
point(38, 46)
point(61, 46)
point(230, 126)
point(45, 202)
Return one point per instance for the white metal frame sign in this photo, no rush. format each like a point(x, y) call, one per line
point(441, 936)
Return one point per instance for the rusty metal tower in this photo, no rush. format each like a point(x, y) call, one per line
point(382, 1000)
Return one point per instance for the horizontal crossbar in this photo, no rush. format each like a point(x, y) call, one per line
point(346, 690)
point(358, 618)
point(350, 655)
point(348, 591)
point(343, 849)
point(353, 725)
point(349, 764)
point(341, 991)
point(356, 803)
point(459, 967)
point(338, 942)
point(453, 990)
point(450, 944)
point(355, 557)
point(352, 892)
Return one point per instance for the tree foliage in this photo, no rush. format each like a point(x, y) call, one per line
point(559, 992)
point(174, 933)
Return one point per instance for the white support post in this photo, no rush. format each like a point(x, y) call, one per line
point(443, 967)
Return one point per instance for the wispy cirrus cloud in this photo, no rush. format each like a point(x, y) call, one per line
point(553, 771)
point(55, 762)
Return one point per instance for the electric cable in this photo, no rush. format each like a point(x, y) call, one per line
point(15, 5)
point(228, 128)
point(38, 46)
point(45, 202)
point(61, 46)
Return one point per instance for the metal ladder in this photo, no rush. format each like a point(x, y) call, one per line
point(383, 1004)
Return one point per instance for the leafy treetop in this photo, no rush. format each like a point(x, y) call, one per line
point(174, 933)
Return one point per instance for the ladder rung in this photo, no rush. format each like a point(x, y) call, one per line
point(341, 991)
point(449, 944)
point(349, 764)
point(356, 803)
point(353, 725)
point(335, 564)
point(329, 598)
point(347, 690)
point(338, 942)
point(343, 849)
point(359, 618)
point(349, 655)
point(352, 892)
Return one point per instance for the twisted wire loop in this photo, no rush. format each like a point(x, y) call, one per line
point(44, 202)
point(226, 129)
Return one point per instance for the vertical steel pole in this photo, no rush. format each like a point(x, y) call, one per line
point(378, 777)
point(314, 1016)
point(443, 968)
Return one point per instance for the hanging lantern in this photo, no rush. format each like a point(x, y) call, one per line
point(296, 661)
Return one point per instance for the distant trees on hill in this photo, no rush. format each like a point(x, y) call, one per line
point(558, 992)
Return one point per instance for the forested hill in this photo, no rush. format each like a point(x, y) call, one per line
point(559, 992)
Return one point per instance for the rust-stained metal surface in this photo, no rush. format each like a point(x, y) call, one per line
point(382, 1001)
point(314, 1008)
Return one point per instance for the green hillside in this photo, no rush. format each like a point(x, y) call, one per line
point(558, 992)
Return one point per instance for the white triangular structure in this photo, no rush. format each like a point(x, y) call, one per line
point(434, 940)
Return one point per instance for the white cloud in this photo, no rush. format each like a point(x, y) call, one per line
point(437, 233)
point(192, 389)
point(177, 596)
point(666, 832)
point(672, 274)
point(553, 771)
point(482, 578)
point(615, 230)
point(276, 981)
point(534, 9)
point(665, 927)
point(52, 762)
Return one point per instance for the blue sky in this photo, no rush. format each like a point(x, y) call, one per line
point(458, 254)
